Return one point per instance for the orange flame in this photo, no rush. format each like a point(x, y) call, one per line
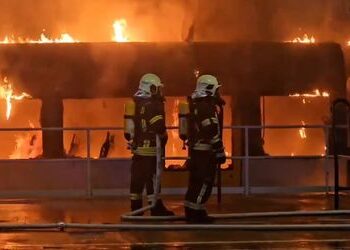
point(302, 131)
point(304, 39)
point(64, 38)
point(315, 93)
point(119, 27)
point(6, 93)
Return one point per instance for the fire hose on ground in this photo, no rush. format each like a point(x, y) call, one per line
point(132, 216)
point(62, 226)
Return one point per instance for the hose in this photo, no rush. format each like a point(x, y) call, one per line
point(243, 215)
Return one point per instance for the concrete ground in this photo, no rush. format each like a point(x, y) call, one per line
point(108, 210)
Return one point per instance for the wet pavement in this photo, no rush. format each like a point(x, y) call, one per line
point(108, 211)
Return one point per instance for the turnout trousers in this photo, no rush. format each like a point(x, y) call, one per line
point(202, 169)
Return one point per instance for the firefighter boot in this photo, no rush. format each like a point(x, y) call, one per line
point(135, 205)
point(200, 216)
point(160, 210)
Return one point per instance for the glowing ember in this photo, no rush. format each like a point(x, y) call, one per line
point(302, 131)
point(28, 146)
point(6, 93)
point(119, 27)
point(196, 73)
point(64, 38)
point(304, 39)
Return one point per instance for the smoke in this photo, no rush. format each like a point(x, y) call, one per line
point(92, 20)
point(173, 20)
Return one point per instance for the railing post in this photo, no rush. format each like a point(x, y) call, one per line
point(88, 164)
point(246, 161)
point(326, 172)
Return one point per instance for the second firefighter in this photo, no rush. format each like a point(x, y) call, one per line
point(206, 148)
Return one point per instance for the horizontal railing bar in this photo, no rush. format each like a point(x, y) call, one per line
point(171, 127)
point(170, 158)
point(273, 126)
point(257, 157)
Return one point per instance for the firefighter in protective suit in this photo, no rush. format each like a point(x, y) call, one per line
point(148, 120)
point(206, 148)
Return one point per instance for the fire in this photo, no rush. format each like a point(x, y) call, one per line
point(6, 93)
point(304, 39)
point(119, 27)
point(302, 131)
point(64, 38)
point(315, 93)
point(28, 146)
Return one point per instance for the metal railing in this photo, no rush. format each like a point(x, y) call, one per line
point(246, 157)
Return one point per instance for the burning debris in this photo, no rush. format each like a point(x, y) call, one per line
point(315, 93)
point(305, 39)
point(64, 38)
point(28, 145)
point(7, 93)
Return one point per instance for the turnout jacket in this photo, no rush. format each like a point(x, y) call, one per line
point(205, 128)
point(149, 121)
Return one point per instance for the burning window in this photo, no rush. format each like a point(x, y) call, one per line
point(20, 144)
point(296, 109)
point(17, 110)
point(104, 112)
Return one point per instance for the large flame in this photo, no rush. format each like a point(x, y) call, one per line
point(64, 38)
point(119, 27)
point(304, 39)
point(7, 93)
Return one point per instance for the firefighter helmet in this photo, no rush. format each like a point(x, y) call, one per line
point(150, 84)
point(207, 84)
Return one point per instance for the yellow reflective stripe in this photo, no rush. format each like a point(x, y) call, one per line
point(215, 139)
point(202, 147)
point(206, 122)
point(143, 124)
point(146, 143)
point(142, 111)
point(209, 121)
point(151, 197)
point(135, 196)
point(201, 194)
point(194, 206)
point(145, 151)
point(214, 120)
point(155, 119)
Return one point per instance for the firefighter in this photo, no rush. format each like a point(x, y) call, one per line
point(206, 148)
point(147, 121)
